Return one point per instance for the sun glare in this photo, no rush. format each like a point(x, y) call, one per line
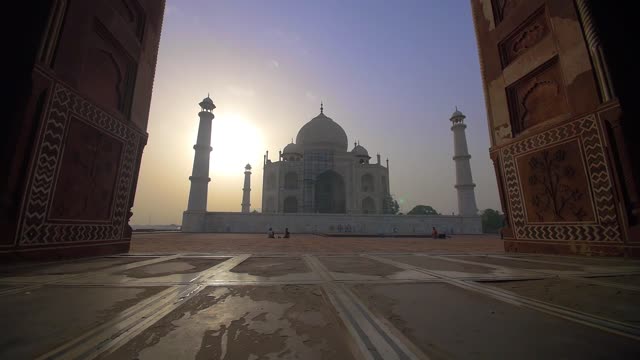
point(236, 141)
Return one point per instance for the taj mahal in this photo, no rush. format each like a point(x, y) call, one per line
point(318, 174)
point(318, 185)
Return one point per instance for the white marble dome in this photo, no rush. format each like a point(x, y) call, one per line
point(322, 132)
point(359, 150)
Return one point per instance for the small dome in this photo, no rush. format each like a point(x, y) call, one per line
point(292, 149)
point(207, 103)
point(457, 114)
point(323, 132)
point(248, 167)
point(359, 150)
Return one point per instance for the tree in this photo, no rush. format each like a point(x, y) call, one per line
point(390, 206)
point(491, 221)
point(422, 210)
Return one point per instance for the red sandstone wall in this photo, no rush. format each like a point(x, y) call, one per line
point(83, 129)
point(554, 143)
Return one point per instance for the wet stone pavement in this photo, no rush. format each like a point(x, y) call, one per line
point(322, 306)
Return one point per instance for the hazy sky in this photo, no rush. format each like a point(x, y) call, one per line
point(389, 72)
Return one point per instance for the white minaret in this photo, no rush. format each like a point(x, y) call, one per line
point(246, 190)
point(200, 175)
point(464, 182)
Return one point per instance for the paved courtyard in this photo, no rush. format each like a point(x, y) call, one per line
point(215, 296)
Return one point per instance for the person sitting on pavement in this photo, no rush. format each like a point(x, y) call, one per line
point(434, 233)
point(286, 233)
point(271, 234)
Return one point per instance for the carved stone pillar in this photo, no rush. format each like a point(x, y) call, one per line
point(506, 227)
point(595, 49)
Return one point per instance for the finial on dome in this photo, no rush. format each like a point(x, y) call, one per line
point(321, 108)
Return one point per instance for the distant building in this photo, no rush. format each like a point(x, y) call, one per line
point(318, 185)
point(319, 174)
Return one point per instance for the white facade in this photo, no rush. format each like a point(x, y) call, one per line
point(318, 174)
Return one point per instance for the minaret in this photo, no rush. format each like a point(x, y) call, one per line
point(200, 175)
point(246, 190)
point(464, 182)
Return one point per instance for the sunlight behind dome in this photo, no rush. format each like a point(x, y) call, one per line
point(236, 141)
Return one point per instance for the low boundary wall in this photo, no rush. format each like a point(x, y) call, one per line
point(231, 222)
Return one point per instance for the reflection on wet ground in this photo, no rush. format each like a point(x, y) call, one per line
point(270, 267)
point(436, 264)
point(360, 268)
point(287, 321)
point(36, 320)
point(517, 263)
point(182, 266)
point(621, 304)
point(352, 306)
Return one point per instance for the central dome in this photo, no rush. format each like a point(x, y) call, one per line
point(322, 132)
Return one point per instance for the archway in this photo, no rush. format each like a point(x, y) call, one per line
point(368, 205)
point(291, 204)
point(330, 193)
